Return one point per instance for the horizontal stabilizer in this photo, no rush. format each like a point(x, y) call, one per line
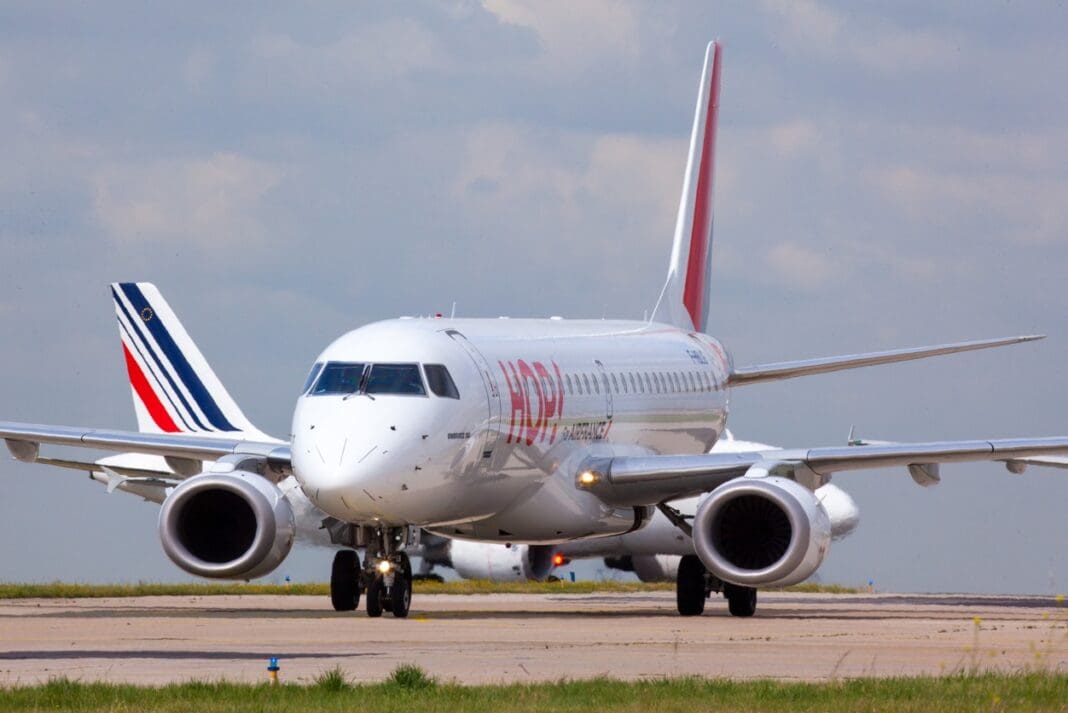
point(807, 367)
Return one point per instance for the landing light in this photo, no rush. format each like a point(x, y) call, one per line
point(588, 478)
point(385, 566)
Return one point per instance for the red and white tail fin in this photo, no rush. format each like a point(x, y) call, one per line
point(684, 299)
point(174, 388)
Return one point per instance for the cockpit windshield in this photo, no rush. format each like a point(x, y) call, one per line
point(346, 378)
point(395, 379)
point(316, 368)
point(339, 378)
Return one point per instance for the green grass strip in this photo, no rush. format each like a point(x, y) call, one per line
point(64, 590)
point(409, 688)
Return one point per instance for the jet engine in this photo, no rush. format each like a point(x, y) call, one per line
point(235, 525)
point(761, 532)
point(500, 563)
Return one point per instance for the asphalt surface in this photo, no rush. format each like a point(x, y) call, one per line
point(516, 638)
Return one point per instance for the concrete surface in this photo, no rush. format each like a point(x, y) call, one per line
point(495, 638)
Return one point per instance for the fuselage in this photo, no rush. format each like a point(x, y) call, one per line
point(494, 458)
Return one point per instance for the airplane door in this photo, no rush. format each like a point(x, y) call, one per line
point(493, 393)
point(607, 388)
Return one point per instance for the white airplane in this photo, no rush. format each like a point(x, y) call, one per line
point(516, 431)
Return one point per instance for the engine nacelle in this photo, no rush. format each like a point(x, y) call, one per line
point(761, 532)
point(841, 508)
point(656, 568)
point(500, 563)
point(234, 525)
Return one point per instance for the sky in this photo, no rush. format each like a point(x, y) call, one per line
point(887, 176)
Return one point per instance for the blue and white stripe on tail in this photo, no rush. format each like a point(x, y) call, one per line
point(174, 388)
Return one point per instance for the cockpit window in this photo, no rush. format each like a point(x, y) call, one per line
point(339, 378)
point(316, 368)
point(440, 381)
point(395, 379)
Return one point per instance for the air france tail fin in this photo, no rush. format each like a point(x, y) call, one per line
point(174, 388)
point(684, 300)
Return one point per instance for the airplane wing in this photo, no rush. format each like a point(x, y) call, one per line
point(184, 450)
point(805, 367)
point(646, 480)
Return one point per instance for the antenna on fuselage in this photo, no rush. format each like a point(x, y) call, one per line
point(452, 315)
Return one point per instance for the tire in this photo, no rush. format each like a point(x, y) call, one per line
point(401, 593)
point(741, 601)
point(690, 591)
point(345, 581)
point(375, 592)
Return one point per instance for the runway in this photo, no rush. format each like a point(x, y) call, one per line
point(515, 638)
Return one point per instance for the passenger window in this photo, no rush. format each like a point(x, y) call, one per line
point(586, 383)
point(596, 386)
point(623, 380)
point(615, 384)
point(397, 379)
point(338, 378)
point(567, 379)
point(440, 381)
point(316, 368)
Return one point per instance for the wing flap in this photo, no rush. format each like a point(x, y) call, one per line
point(806, 367)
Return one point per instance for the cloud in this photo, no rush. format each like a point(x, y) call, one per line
point(585, 179)
point(372, 53)
point(794, 138)
point(875, 43)
point(801, 267)
point(1020, 208)
point(213, 203)
point(574, 35)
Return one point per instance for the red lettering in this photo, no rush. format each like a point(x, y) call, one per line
point(533, 426)
point(518, 400)
point(559, 401)
point(549, 400)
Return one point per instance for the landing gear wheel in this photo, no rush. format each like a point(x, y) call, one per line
point(345, 581)
point(690, 586)
point(741, 601)
point(400, 593)
point(376, 592)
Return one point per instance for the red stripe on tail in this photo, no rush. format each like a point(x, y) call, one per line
point(695, 291)
point(148, 397)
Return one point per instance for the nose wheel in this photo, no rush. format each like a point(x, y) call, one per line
point(391, 588)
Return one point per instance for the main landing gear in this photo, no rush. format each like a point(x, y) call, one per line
point(694, 584)
point(385, 577)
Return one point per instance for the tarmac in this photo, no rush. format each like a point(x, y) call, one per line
point(526, 638)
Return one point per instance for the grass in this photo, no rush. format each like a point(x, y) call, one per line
point(65, 590)
point(409, 688)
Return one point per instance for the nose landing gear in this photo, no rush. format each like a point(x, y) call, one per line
point(390, 588)
point(385, 576)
